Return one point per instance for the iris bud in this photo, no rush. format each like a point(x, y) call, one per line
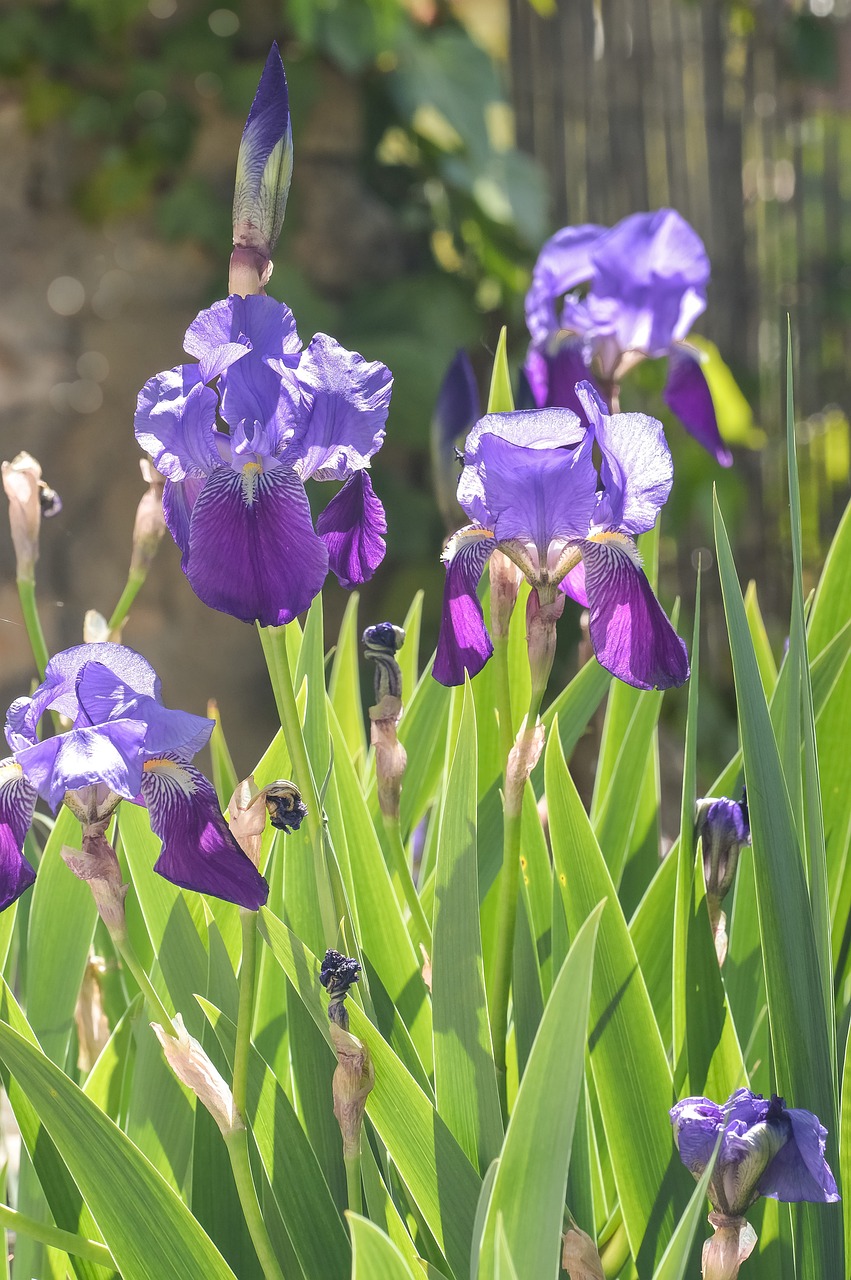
point(723, 829)
point(355, 1074)
point(381, 644)
point(250, 806)
point(193, 1068)
point(149, 526)
point(29, 500)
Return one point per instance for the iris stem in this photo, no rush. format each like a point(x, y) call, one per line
point(55, 1237)
point(237, 1145)
point(245, 1014)
point(503, 696)
point(509, 885)
point(277, 660)
point(32, 622)
point(128, 955)
point(409, 889)
point(353, 1182)
point(128, 595)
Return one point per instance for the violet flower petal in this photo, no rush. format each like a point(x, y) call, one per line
point(687, 395)
point(457, 405)
point(17, 802)
point(630, 633)
point(697, 1123)
point(563, 263)
point(104, 698)
point(573, 584)
point(268, 325)
point(110, 753)
point(179, 498)
point(637, 470)
point(463, 645)
point(198, 850)
point(353, 526)
point(175, 420)
point(799, 1171)
point(253, 552)
point(348, 400)
point(553, 374)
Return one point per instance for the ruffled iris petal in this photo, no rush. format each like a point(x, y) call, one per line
point(17, 802)
point(636, 470)
point(352, 527)
point(799, 1171)
point(175, 420)
point(199, 852)
point(253, 552)
point(348, 398)
point(110, 753)
point(268, 325)
point(104, 698)
point(687, 395)
point(563, 263)
point(553, 375)
point(630, 633)
point(697, 1123)
point(463, 645)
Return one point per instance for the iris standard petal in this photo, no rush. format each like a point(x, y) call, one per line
point(799, 1171)
point(175, 420)
point(268, 325)
point(104, 698)
point(17, 802)
point(347, 399)
point(110, 753)
point(463, 645)
point(687, 395)
point(697, 1123)
point(179, 498)
point(353, 526)
point(253, 552)
point(198, 850)
point(637, 470)
point(563, 263)
point(630, 633)
point(533, 495)
point(553, 373)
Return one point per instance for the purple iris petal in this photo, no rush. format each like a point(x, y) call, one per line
point(348, 399)
point(253, 551)
point(198, 852)
point(636, 470)
point(536, 495)
point(110, 753)
point(687, 395)
point(697, 1123)
point(175, 420)
point(104, 698)
point(564, 262)
point(799, 1171)
point(265, 161)
point(268, 325)
point(17, 802)
point(573, 584)
point(352, 527)
point(553, 374)
point(457, 406)
point(179, 498)
point(463, 645)
point(58, 690)
point(654, 268)
point(630, 632)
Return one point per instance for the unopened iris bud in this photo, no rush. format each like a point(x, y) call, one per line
point(29, 499)
point(251, 806)
point(455, 411)
point(723, 828)
point(191, 1064)
point(381, 644)
point(355, 1074)
point(149, 526)
point(263, 172)
point(505, 580)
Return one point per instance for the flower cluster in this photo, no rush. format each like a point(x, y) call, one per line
point(533, 490)
point(602, 299)
point(123, 744)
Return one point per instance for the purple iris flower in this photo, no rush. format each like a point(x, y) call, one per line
point(123, 744)
point(602, 299)
point(532, 490)
point(238, 433)
point(766, 1149)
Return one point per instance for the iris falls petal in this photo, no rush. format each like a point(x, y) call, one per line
point(353, 526)
point(631, 635)
point(463, 645)
point(253, 551)
point(17, 802)
point(198, 850)
point(687, 395)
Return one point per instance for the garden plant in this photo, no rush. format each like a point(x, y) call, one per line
point(400, 1003)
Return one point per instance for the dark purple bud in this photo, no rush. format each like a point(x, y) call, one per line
point(723, 828)
point(285, 806)
point(338, 973)
point(381, 644)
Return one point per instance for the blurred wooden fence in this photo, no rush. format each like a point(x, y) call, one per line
point(638, 104)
